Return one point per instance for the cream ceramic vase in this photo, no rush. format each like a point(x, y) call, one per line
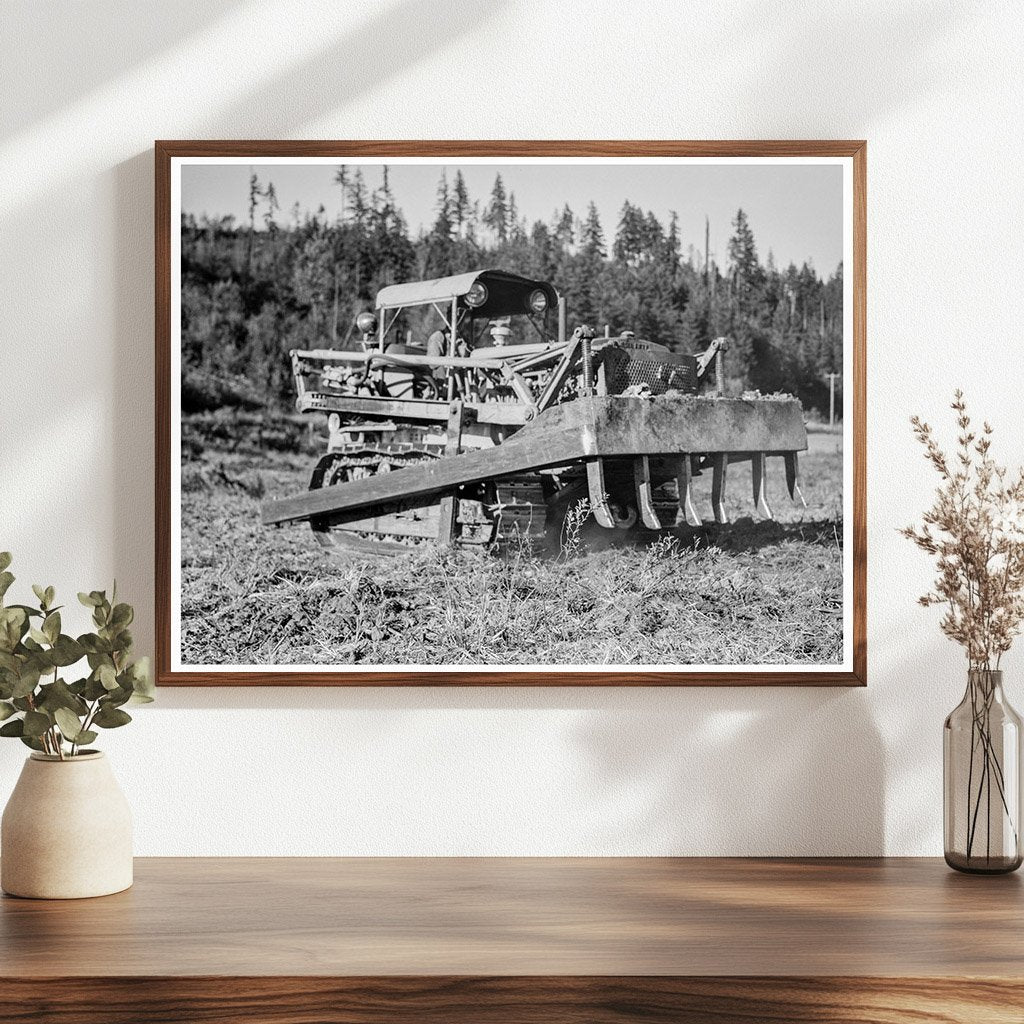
point(66, 831)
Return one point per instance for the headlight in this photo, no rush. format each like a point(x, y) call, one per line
point(366, 323)
point(538, 301)
point(477, 294)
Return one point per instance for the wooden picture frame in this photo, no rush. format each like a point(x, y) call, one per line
point(850, 154)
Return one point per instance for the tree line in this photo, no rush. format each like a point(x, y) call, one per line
point(253, 290)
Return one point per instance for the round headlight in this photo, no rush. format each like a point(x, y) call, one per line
point(366, 323)
point(477, 294)
point(538, 301)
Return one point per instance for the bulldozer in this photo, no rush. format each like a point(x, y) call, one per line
point(501, 421)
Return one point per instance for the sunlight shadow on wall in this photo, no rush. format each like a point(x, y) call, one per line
point(272, 93)
point(56, 76)
point(811, 63)
point(750, 772)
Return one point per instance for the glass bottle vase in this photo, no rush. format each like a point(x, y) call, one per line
point(981, 772)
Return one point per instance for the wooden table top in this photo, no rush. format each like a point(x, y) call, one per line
point(527, 916)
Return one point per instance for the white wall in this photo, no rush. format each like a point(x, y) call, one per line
point(937, 90)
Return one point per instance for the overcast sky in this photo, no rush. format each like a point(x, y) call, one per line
point(794, 209)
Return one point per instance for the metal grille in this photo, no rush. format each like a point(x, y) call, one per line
point(622, 372)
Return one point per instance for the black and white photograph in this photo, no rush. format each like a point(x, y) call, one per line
point(509, 413)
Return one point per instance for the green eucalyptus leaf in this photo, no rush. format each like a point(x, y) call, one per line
point(40, 593)
point(115, 698)
point(13, 626)
point(89, 600)
point(94, 689)
point(5, 560)
point(142, 682)
point(36, 723)
point(67, 651)
point(50, 594)
point(122, 616)
point(86, 736)
point(97, 646)
point(31, 741)
point(6, 579)
point(27, 682)
point(14, 614)
point(30, 612)
point(68, 722)
point(59, 695)
point(107, 676)
point(124, 641)
point(6, 710)
point(110, 717)
point(51, 626)
point(22, 703)
point(15, 727)
point(142, 677)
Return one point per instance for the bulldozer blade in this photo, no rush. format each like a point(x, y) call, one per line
point(598, 494)
point(570, 433)
point(720, 463)
point(793, 478)
point(687, 513)
point(758, 474)
point(644, 501)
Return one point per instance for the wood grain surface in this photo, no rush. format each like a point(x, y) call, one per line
point(494, 939)
point(166, 150)
point(512, 1000)
point(503, 916)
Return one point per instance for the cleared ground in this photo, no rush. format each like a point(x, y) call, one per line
point(747, 593)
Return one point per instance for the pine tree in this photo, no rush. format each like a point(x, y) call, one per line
point(270, 194)
point(564, 229)
point(515, 228)
point(592, 235)
point(629, 238)
point(341, 180)
point(746, 274)
point(461, 208)
point(358, 205)
point(496, 214)
point(255, 192)
point(440, 248)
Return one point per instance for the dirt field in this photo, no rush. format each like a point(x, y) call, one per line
point(747, 593)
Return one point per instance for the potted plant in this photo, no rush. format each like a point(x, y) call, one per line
point(975, 531)
point(66, 830)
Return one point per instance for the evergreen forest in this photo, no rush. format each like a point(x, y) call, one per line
point(294, 279)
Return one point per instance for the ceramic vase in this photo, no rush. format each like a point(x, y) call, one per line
point(66, 831)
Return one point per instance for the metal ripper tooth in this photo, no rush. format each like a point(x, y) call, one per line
point(758, 473)
point(644, 501)
point(793, 478)
point(598, 494)
point(719, 464)
point(687, 512)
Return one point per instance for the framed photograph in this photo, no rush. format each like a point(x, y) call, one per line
point(510, 413)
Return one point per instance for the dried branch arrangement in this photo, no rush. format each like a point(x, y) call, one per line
point(975, 530)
